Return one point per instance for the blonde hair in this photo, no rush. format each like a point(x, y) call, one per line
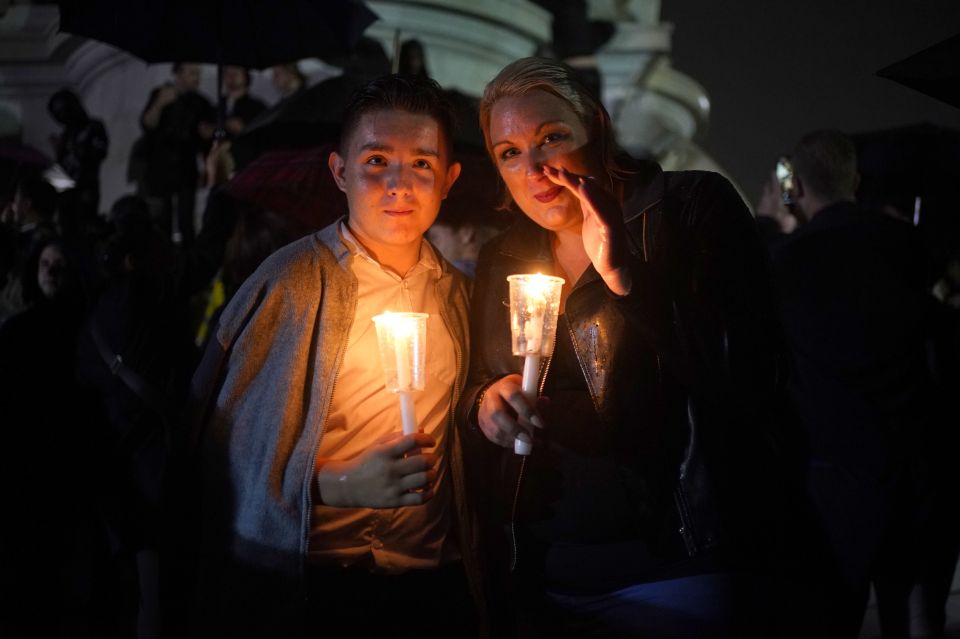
point(541, 74)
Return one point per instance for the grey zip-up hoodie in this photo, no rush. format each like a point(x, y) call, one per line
point(262, 393)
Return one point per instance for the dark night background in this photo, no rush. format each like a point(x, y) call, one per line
point(775, 70)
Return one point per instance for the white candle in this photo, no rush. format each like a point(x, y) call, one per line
point(533, 329)
point(534, 304)
point(401, 337)
point(408, 415)
point(531, 373)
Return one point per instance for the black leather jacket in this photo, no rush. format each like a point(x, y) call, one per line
point(695, 343)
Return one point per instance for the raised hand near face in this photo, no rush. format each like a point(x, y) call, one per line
point(604, 234)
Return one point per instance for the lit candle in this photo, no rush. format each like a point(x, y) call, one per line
point(534, 308)
point(402, 339)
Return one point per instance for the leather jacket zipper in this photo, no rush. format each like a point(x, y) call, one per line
point(523, 464)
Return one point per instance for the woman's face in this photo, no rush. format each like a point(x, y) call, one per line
point(533, 130)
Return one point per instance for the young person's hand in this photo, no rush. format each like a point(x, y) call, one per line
point(505, 414)
point(384, 476)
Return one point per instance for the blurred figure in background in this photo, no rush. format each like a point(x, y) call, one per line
point(413, 59)
point(30, 216)
point(241, 107)
point(134, 357)
point(177, 126)
point(856, 313)
point(287, 79)
point(459, 238)
point(47, 546)
point(80, 149)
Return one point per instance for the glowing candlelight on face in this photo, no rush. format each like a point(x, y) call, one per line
point(402, 339)
point(534, 308)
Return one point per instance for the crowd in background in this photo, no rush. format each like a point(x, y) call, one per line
point(104, 310)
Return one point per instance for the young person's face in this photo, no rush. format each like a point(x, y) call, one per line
point(395, 169)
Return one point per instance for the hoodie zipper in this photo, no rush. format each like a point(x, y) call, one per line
point(308, 510)
point(457, 383)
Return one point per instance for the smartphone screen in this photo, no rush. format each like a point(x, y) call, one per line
point(785, 178)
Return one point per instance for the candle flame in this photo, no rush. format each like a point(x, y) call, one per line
point(401, 325)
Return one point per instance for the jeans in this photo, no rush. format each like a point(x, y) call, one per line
point(715, 605)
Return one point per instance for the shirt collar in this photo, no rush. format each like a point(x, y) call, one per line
point(428, 258)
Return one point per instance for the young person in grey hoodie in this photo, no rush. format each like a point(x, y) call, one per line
point(316, 511)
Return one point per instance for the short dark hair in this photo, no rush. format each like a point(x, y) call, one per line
point(826, 163)
point(417, 95)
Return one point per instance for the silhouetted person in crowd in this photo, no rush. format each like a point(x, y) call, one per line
point(134, 359)
point(287, 79)
point(46, 539)
point(855, 312)
point(459, 238)
point(413, 59)
point(31, 217)
point(178, 124)
point(80, 149)
point(8, 251)
point(241, 107)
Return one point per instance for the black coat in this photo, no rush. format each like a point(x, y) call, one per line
point(857, 317)
point(694, 348)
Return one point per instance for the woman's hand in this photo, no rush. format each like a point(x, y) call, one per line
point(384, 476)
point(505, 414)
point(604, 234)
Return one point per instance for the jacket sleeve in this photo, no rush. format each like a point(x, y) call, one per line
point(704, 300)
point(205, 385)
point(482, 370)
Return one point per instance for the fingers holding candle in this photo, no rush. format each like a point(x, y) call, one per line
point(506, 414)
point(534, 309)
point(402, 341)
point(388, 475)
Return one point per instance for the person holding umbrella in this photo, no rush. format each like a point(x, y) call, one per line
point(316, 510)
point(178, 124)
point(80, 149)
point(241, 107)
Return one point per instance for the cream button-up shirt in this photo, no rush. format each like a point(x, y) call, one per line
point(363, 411)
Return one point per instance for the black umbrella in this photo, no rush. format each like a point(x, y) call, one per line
point(291, 141)
point(308, 118)
point(249, 33)
point(935, 71)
